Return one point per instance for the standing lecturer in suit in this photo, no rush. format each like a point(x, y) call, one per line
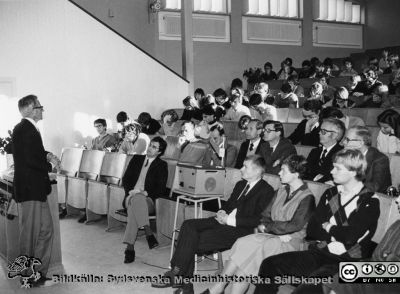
point(32, 185)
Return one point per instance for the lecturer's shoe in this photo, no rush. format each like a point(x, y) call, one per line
point(129, 256)
point(152, 241)
point(168, 279)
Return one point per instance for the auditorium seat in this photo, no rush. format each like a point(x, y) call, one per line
point(171, 152)
point(232, 176)
point(282, 114)
point(232, 130)
point(394, 160)
point(89, 169)
point(303, 150)
point(359, 112)
point(371, 119)
point(389, 214)
point(275, 84)
point(295, 115)
point(111, 172)
point(69, 167)
point(273, 180)
point(288, 128)
point(317, 189)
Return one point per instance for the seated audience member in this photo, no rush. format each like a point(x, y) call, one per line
point(202, 130)
point(348, 70)
point(236, 84)
point(349, 121)
point(394, 79)
point(330, 67)
point(237, 109)
point(104, 140)
point(275, 148)
point(135, 142)
point(251, 145)
point(144, 181)
point(286, 98)
point(306, 70)
point(189, 148)
point(319, 161)
point(373, 64)
point(261, 110)
point(393, 61)
point(222, 100)
point(169, 120)
point(388, 140)
point(199, 94)
point(341, 99)
point(286, 70)
point(377, 174)
point(149, 125)
point(307, 131)
point(327, 90)
point(392, 100)
point(282, 227)
point(298, 90)
point(375, 99)
point(388, 249)
point(367, 86)
point(317, 67)
point(340, 229)
point(192, 110)
point(262, 89)
point(209, 100)
point(384, 60)
point(268, 74)
point(122, 121)
point(316, 92)
point(237, 218)
point(219, 152)
point(352, 84)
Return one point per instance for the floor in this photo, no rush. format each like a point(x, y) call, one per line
point(89, 249)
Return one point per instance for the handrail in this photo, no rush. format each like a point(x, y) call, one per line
point(126, 39)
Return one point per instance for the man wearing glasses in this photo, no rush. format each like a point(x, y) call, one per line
point(32, 185)
point(319, 161)
point(275, 148)
point(144, 181)
point(377, 175)
point(104, 140)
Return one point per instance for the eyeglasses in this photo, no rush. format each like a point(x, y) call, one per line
point(347, 140)
point(324, 131)
point(269, 130)
point(38, 107)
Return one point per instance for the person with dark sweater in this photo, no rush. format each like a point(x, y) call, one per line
point(149, 125)
point(340, 229)
point(307, 131)
point(319, 161)
point(377, 176)
point(275, 148)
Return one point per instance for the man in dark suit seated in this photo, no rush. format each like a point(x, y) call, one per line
point(319, 161)
point(377, 175)
point(275, 148)
point(307, 131)
point(31, 187)
point(252, 144)
point(237, 218)
point(144, 181)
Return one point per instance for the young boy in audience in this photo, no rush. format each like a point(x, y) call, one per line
point(104, 141)
point(202, 130)
point(384, 61)
point(287, 99)
point(306, 70)
point(237, 109)
point(135, 142)
point(268, 74)
point(169, 118)
point(222, 99)
point(348, 70)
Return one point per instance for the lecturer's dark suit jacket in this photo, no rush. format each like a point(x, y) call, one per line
point(243, 152)
point(31, 178)
point(377, 175)
point(313, 169)
point(156, 177)
point(281, 152)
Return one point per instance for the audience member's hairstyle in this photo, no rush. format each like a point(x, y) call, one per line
point(278, 126)
point(339, 125)
point(257, 160)
point(306, 63)
point(313, 105)
point(161, 143)
point(321, 75)
point(371, 73)
point(316, 88)
point(262, 86)
point(144, 118)
point(288, 61)
point(392, 118)
point(172, 113)
point(341, 93)
point(255, 99)
point(364, 133)
point(286, 88)
point(188, 122)
point(220, 92)
point(26, 101)
point(353, 160)
point(268, 64)
point(236, 93)
point(293, 79)
point(122, 117)
point(331, 112)
point(328, 62)
point(199, 91)
point(296, 164)
point(219, 127)
point(133, 127)
point(395, 58)
point(101, 121)
point(270, 100)
point(348, 59)
point(315, 61)
point(208, 110)
point(236, 83)
point(190, 101)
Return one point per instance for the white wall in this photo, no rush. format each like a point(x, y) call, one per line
point(79, 69)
